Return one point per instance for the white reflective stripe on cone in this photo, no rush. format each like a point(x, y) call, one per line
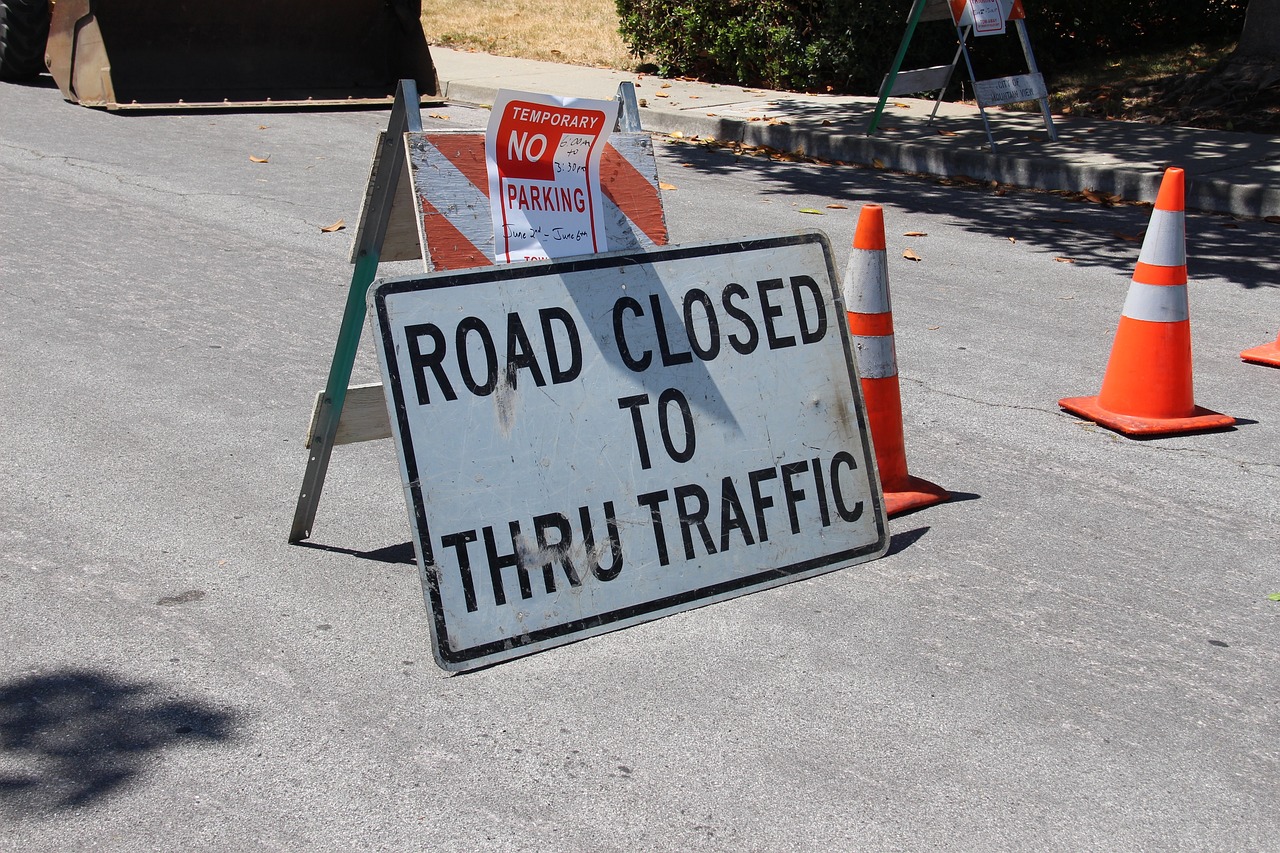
point(867, 267)
point(875, 355)
point(1157, 303)
point(1166, 242)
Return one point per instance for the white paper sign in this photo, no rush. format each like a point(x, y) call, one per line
point(988, 17)
point(543, 158)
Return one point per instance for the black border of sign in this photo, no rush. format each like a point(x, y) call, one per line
point(378, 292)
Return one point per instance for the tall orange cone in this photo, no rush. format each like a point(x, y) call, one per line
point(1147, 387)
point(1265, 354)
point(866, 296)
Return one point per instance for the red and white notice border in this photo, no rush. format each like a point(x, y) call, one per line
point(543, 158)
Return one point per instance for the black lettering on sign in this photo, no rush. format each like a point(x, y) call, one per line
point(628, 304)
point(669, 358)
point(468, 326)
point(771, 313)
point(816, 332)
point(747, 345)
point(424, 361)
point(459, 542)
point(695, 505)
point(637, 425)
point(562, 369)
point(653, 501)
point(614, 538)
point(846, 458)
point(498, 562)
point(554, 543)
point(475, 359)
point(520, 355)
point(731, 515)
point(665, 399)
point(711, 349)
point(693, 516)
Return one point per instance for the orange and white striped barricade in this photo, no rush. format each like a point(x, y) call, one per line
point(1146, 390)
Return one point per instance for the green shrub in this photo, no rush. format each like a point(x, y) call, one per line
point(846, 47)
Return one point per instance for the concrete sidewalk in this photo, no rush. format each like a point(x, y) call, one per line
point(1232, 173)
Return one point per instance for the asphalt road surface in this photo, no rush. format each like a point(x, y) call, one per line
point(1076, 653)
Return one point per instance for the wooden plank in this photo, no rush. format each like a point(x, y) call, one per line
point(921, 80)
point(364, 416)
point(401, 240)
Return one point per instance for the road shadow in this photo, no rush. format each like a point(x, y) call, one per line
point(1083, 233)
point(402, 553)
point(74, 737)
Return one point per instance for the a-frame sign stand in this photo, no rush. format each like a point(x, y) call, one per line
point(389, 164)
point(970, 18)
point(394, 226)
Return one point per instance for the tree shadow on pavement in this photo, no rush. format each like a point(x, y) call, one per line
point(76, 736)
point(1099, 235)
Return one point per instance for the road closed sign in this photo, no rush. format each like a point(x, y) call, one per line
point(593, 443)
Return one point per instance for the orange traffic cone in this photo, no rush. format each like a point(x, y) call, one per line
point(1147, 387)
point(866, 296)
point(1265, 354)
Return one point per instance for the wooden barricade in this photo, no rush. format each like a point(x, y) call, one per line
point(427, 198)
point(934, 79)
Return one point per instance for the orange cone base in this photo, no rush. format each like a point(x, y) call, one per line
point(1265, 354)
point(916, 494)
point(1200, 420)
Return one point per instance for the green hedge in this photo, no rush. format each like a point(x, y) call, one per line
point(846, 47)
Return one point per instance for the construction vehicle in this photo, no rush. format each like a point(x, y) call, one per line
point(161, 54)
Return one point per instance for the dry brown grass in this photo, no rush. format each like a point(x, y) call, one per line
point(580, 32)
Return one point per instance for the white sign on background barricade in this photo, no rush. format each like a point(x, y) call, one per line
point(592, 443)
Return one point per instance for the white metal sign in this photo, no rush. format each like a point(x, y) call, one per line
point(543, 154)
point(593, 443)
point(1010, 90)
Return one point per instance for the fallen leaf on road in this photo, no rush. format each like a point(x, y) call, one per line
point(1065, 260)
point(837, 207)
point(933, 328)
point(337, 226)
point(812, 210)
point(1132, 238)
point(675, 134)
point(911, 256)
point(1274, 220)
point(663, 185)
point(946, 133)
point(661, 95)
point(916, 234)
point(254, 158)
point(440, 116)
point(1012, 239)
point(1275, 596)
point(877, 162)
point(902, 106)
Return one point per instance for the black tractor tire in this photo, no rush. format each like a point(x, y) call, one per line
point(24, 29)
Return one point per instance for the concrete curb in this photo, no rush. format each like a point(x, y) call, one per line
point(1060, 171)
